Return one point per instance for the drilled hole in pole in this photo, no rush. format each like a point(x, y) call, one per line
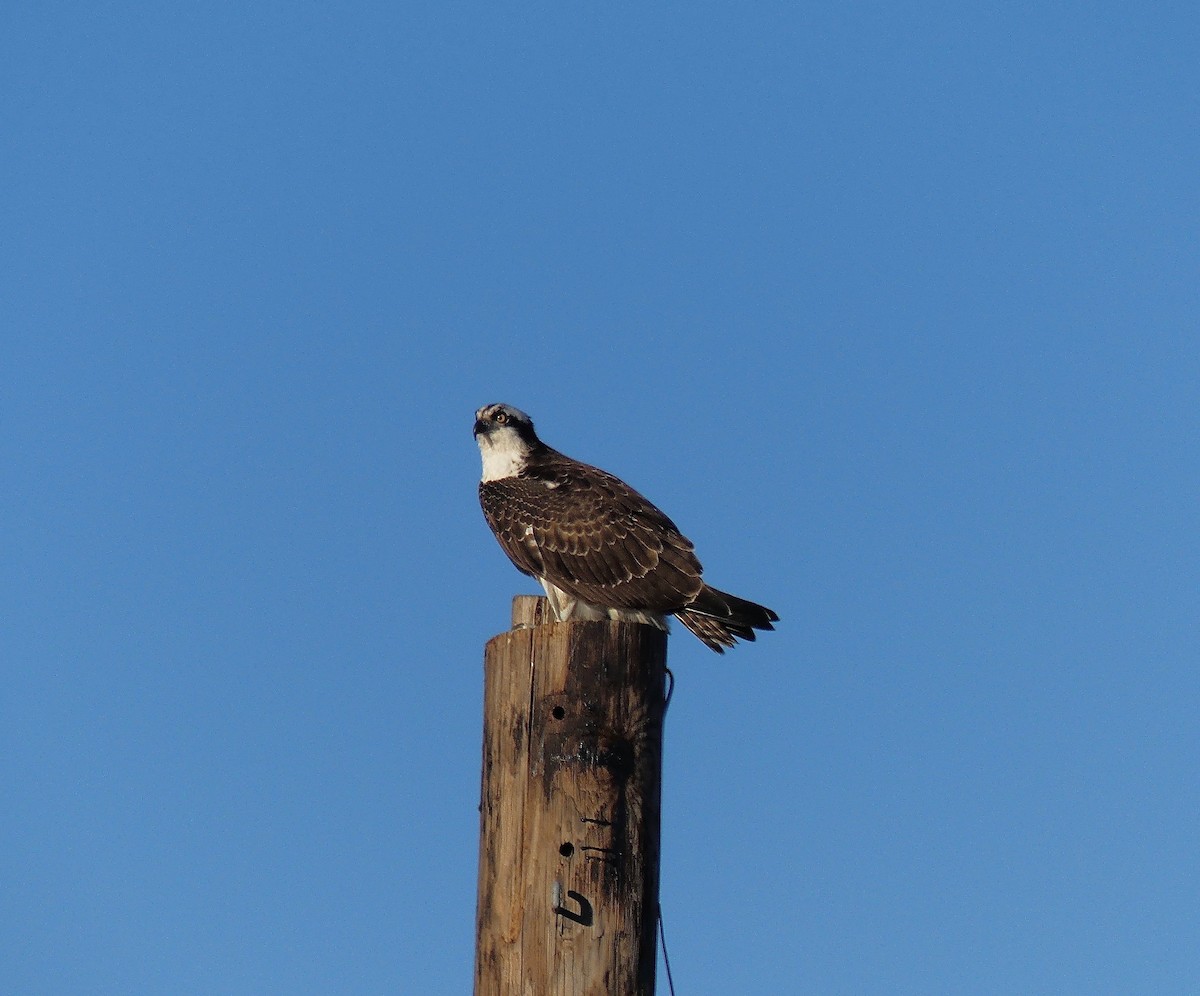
point(567, 849)
point(558, 712)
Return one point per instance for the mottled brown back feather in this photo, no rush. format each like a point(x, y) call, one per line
point(595, 537)
point(591, 535)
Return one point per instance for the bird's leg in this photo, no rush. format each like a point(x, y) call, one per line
point(562, 604)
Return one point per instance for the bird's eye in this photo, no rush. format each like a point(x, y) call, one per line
point(501, 418)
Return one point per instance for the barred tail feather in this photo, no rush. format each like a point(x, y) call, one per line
point(719, 619)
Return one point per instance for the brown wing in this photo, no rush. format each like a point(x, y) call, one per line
point(593, 536)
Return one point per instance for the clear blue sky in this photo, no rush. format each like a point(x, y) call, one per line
point(892, 306)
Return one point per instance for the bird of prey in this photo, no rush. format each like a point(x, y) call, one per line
point(599, 549)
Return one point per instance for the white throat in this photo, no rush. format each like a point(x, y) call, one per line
point(504, 454)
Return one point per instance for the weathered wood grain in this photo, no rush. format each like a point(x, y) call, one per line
point(569, 808)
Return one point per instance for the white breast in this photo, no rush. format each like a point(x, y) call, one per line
point(504, 454)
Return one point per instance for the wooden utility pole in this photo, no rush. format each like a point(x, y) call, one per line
point(569, 808)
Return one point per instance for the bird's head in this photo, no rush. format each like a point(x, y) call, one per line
point(503, 418)
point(505, 436)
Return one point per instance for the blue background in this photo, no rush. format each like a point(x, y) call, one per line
point(892, 306)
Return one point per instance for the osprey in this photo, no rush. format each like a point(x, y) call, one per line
point(599, 549)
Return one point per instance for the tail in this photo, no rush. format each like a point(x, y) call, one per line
point(719, 620)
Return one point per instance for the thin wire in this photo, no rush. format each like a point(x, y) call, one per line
point(662, 934)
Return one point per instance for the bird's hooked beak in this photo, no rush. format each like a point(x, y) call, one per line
point(480, 426)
